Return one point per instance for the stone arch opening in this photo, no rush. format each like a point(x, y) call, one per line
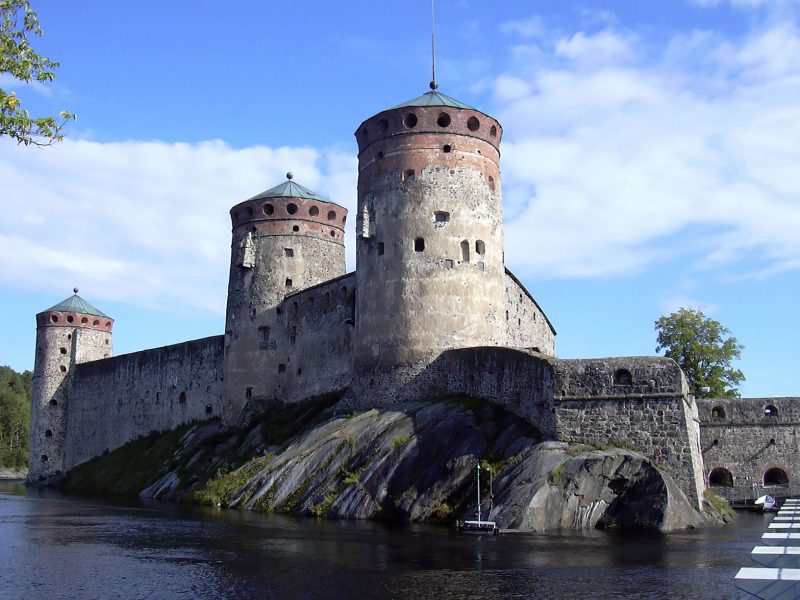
point(85, 320)
point(770, 410)
point(622, 377)
point(775, 476)
point(480, 247)
point(718, 412)
point(465, 251)
point(96, 323)
point(331, 215)
point(493, 131)
point(721, 477)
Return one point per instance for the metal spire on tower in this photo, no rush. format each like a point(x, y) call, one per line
point(434, 84)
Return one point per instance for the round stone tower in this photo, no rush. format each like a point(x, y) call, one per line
point(71, 332)
point(430, 272)
point(284, 240)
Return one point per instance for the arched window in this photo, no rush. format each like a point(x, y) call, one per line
point(465, 251)
point(720, 477)
point(622, 377)
point(770, 411)
point(718, 412)
point(775, 476)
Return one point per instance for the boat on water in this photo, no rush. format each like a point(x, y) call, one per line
point(766, 504)
point(479, 526)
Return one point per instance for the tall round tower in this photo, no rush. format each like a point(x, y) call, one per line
point(71, 332)
point(284, 239)
point(430, 271)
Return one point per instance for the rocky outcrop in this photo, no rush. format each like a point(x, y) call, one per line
point(416, 462)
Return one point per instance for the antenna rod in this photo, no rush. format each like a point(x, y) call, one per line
point(434, 83)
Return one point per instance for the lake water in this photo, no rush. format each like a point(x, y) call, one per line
point(58, 546)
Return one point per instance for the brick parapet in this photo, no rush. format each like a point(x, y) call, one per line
point(55, 318)
point(290, 216)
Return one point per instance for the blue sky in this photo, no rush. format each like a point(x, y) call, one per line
point(650, 156)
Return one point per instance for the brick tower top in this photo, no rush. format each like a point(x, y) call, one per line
point(74, 312)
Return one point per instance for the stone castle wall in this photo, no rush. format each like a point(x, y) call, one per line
point(526, 325)
point(742, 439)
point(639, 402)
point(115, 400)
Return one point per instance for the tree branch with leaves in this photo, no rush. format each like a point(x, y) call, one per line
point(18, 22)
point(704, 349)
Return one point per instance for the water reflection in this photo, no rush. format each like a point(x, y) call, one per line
point(56, 546)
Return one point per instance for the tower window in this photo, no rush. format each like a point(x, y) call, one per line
point(313, 211)
point(493, 131)
point(182, 398)
point(85, 320)
point(96, 323)
point(718, 412)
point(44, 457)
point(53, 319)
point(771, 411)
point(331, 215)
point(295, 228)
point(291, 208)
point(380, 248)
point(410, 120)
point(491, 183)
point(62, 350)
point(473, 124)
point(209, 409)
point(409, 175)
point(419, 245)
point(269, 209)
point(249, 211)
point(281, 368)
point(379, 155)
point(623, 377)
point(447, 148)
point(53, 402)
point(383, 125)
point(63, 369)
point(70, 318)
point(248, 393)
point(48, 433)
point(441, 216)
point(448, 263)
point(465, 251)
point(443, 120)
point(288, 282)
point(288, 252)
point(480, 247)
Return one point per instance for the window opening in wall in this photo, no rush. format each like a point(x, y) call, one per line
point(248, 393)
point(293, 334)
point(288, 252)
point(209, 409)
point(480, 247)
point(383, 125)
point(44, 457)
point(770, 411)
point(53, 319)
point(249, 211)
point(419, 245)
point(441, 216)
point(70, 318)
point(281, 368)
point(465, 251)
point(493, 131)
point(62, 350)
point(718, 412)
point(506, 315)
point(48, 433)
point(295, 228)
point(443, 120)
point(720, 477)
point(379, 155)
point(776, 476)
point(269, 209)
point(331, 215)
point(491, 183)
point(53, 402)
point(473, 124)
point(622, 377)
point(410, 120)
point(69, 335)
point(182, 398)
point(447, 148)
point(448, 263)
point(299, 371)
point(409, 175)
point(84, 320)
point(313, 211)
point(263, 343)
point(333, 233)
point(96, 323)
point(481, 266)
point(62, 368)
point(288, 282)
point(380, 248)
point(291, 208)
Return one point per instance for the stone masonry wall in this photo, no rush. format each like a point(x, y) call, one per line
point(115, 400)
point(526, 324)
point(641, 402)
point(747, 437)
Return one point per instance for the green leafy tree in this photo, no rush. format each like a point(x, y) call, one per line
point(18, 60)
point(704, 349)
point(15, 410)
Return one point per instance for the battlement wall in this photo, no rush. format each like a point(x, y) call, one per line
point(636, 402)
point(526, 325)
point(115, 400)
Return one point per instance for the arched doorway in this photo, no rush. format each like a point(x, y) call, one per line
point(720, 477)
point(776, 476)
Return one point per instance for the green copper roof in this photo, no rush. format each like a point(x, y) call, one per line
point(434, 98)
point(77, 304)
point(289, 189)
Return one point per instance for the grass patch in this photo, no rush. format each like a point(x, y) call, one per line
point(719, 504)
point(557, 476)
point(220, 489)
point(282, 422)
point(398, 441)
point(129, 469)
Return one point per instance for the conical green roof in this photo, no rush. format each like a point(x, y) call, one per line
point(77, 304)
point(289, 189)
point(434, 98)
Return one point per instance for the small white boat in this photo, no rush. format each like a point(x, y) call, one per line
point(767, 503)
point(479, 526)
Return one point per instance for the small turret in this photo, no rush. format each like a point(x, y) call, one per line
point(71, 332)
point(285, 239)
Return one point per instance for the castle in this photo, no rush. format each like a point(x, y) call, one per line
point(430, 310)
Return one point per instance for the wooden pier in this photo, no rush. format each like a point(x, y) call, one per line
point(778, 577)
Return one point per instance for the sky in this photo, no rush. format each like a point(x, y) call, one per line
point(650, 159)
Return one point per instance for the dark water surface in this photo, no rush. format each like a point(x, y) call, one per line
point(58, 546)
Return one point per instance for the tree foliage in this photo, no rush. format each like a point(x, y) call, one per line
point(18, 60)
point(15, 411)
point(704, 349)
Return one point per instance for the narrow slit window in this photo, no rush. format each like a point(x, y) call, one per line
point(480, 247)
point(419, 245)
point(380, 248)
point(465, 251)
point(409, 175)
point(288, 282)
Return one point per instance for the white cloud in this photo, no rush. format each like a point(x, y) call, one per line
point(145, 222)
point(653, 154)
